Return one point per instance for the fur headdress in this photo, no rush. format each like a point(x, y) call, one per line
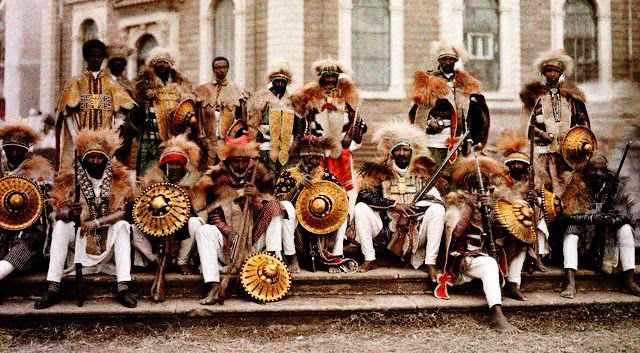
point(105, 141)
point(466, 167)
point(237, 147)
point(18, 135)
point(119, 51)
point(328, 67)
point(396, 133)
point(160, 54)
point(511, 145)
point(280, 69)
point(557, 59)
point(180, 146)
point(440, 50)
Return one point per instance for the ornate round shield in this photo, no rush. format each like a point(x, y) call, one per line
point(322, 208)
point(183, 117)
point(161, 209)
point(265, 278)
point(21, 203)
point(517, 218)
point(578, 146)
point(552, 206)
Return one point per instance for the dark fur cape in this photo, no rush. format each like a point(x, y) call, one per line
point(531, 91)
point(427, 88)
point(148, 83)
point(216, 184)
point(312, 95)
point(373, 174)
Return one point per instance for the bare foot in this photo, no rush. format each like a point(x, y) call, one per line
point(499, 322)
point(633, 288)
point(333, 269)
point(569, 291)
point(213, 296)
point(294, 266)
point(432, 270)
point(186, 270)
point(368, 265)
point(512, 290)
point(541, 267)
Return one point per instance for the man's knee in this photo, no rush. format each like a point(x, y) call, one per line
point(436, 211)
point(360, 210)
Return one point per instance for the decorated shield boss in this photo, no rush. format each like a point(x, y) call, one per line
point(161, 210)
point(552, 206)
point(21, 203)
point(265, 278)
point(578, 146)
point(517, 218)
point(322, 208)
point(184, 117)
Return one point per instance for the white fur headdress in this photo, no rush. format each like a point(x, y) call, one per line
point(329, 66)
point(556, 58)
point(442, 49)
point(280, 69)
point(160, 54)
point(398, 132)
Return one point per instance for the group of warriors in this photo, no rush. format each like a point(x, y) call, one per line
point(158, 174)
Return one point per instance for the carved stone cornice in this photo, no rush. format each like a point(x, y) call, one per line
point(169, 4)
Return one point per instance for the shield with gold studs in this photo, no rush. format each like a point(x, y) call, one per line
point(517, 218)
point(21, 203)
point(265, 278)
point(184, 117)
point(161, 209)
point(551, 206)
point(322, 207)
point(578, 146)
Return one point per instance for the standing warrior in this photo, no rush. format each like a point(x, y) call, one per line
point(555, 106)
point(240, 175)
point(466, 235)
point(595, 198)
point(93, 100)
point(272, 119)
point(178, 165)
point(222, 102)
point(309, 171)
point(386, 210)
point(442, 101)
point(159, 90)
point(21, 250)
point(327, 108)
point(93, 193)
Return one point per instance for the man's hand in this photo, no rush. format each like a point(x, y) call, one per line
point(250, 190)
point(403, 209)
point(88, 227)
point(306, 181)
point(532, 197)
point(433, 127)
point(485, 200)
point(546, 137)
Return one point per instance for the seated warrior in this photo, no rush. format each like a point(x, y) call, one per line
point(467, 257)
point(386, 211)
point(590, 221)
point(238, 176)
point(100, 232)
point(178, 165)
point(309, 171)
point(22, 250)
point(272, 121)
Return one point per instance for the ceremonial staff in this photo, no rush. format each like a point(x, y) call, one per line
point(78, 265)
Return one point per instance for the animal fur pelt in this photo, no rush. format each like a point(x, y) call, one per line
point(217, 184)
point(312, 95)
point(531, 91)
point(148, 83)
point(123, 189)
point(427, 88)
point(577, 196)
point(103, 140)
point(511, 140)
point(393, 132)
point(19, 134)
point(37, 168)
point(373, 174)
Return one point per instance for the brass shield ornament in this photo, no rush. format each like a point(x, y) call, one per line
point(322, 208)
point(161, 210)
point(517, 218)
point(184, 117)
point(21, 203)
point(265, 278)
point(552, 206)
point(578, 146)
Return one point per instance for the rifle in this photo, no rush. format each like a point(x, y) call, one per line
point(607, 199)
point(532, 184)
point(243, 240)
point(484, 211)
point(158, 286)
point(78, 265)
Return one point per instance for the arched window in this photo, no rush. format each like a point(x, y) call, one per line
point(580, 38)
point(144, 45)
point(370, 40)
point(88, 30)
point(223, 32)
point(481, 35)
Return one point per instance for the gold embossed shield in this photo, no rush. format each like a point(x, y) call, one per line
point(265, 278)
point(161, 209)
point(322, 208)
point(21, 203)
point(578, 146)
point(516, 217)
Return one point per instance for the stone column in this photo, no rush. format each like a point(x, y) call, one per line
point(50, 56)
point(285, 36)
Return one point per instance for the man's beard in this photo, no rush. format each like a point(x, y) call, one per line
point(238, 174)
point(401, 162)
point(175, 177)
point(95, 171)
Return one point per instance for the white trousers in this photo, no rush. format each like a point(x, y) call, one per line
point(368, 224)
point(625, 249)
point(278, 237)
point(485, 268)
point(5, 269)
point(142, 244)
point(514, 271)
point(543, 238)
point(118, 247)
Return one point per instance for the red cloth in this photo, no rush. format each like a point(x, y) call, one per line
point(173, 157)
point(341, 168)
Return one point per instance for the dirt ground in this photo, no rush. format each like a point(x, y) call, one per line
point(592, 329)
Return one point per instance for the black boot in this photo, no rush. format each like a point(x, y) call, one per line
point(51, 296)
point(125, 297)
point(630, 284)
